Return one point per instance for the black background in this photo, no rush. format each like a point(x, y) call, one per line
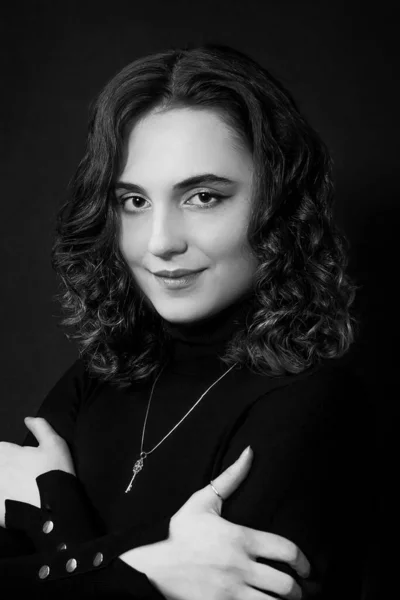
point(338, 59)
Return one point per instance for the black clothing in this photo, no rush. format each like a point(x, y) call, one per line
point(302, 484)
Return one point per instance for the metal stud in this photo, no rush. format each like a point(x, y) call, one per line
point(48, 526)
point(98, 559)
point(44, 571)
point(71, 565)
point(62, 546)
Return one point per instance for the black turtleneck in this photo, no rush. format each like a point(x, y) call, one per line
point(293, 423)
point(199, 345)
point(219, 326)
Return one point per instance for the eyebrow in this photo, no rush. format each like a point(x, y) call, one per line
point(181, 186)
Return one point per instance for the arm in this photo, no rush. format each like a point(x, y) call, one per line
point(306, 479)
point(59, 408)
point(98, 567)
point(66, 526)
point(70, 554)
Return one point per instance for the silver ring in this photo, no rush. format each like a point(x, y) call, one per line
point(219, 495)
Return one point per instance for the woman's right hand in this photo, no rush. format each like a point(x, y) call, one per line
point(207, 557)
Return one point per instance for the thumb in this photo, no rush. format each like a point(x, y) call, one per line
point(226, 483)
point(41, 429)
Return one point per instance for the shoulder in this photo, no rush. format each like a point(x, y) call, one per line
point(301, 422)
point(326, 396)
point(78, 377)
point(65, 399)
point(76, 384)
point(326, 380)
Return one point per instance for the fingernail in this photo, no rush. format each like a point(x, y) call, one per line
point(245, 452)
point(306, 573)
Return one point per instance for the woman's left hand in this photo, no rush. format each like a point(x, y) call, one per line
point(20, 465)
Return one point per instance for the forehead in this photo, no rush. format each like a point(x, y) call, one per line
point(175, 144)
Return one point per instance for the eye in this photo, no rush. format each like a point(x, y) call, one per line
point(135, 199)
point(136, 205)
point(217, 197)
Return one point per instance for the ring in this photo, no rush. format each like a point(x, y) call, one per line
point(219, 495)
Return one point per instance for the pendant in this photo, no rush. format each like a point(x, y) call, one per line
point(137, 467)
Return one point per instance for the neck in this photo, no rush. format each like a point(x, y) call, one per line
point(195, 345)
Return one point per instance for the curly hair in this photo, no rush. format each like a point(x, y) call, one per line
point(300, 308)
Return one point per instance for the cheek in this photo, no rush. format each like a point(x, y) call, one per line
point(234, 255)
point(129, 243)
point(229, 243)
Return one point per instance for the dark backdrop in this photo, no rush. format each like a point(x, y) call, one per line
point(338, 59)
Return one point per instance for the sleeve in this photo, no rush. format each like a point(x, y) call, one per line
point(306, 478)
point(63, 547)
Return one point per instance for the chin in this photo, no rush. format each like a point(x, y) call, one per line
point(181, 314)
point(180, 317)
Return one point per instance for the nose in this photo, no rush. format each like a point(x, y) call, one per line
point(167, 235)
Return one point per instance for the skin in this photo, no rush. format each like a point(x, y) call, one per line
point(162, 228)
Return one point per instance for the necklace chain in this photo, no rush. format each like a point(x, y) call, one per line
point(183, 418)
point(139, 463)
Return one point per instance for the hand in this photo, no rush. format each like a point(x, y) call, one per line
point(20, 465)
point(206, 556)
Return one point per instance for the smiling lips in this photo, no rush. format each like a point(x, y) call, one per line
point(178, 283)
point(176, 274)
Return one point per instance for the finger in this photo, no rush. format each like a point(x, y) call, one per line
point(276, 547)
point(230, 479)
point(249, 593)
point(267, 578)
point(41, 429)
point(225, 484)
point(205, 499)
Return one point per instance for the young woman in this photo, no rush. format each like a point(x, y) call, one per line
point(204, 281)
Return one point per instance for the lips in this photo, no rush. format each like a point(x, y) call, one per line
point(178, 274)
point(179, 283)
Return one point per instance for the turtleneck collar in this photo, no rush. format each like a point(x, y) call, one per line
point(198, 344)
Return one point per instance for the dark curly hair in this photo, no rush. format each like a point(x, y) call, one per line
point(300, 309)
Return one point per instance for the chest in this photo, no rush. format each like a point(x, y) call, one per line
point(182, 442)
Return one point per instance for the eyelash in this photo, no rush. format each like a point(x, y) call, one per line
point(122, 200)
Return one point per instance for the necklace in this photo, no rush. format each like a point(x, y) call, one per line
point(138, 466)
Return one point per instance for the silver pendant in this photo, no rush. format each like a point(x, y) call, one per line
point(137, 467)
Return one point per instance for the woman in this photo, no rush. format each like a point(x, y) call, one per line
point(205, 284)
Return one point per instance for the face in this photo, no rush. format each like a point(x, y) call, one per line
point(168, 223)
